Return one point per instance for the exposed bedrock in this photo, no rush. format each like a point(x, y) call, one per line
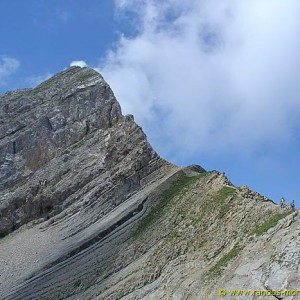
point(66, 141)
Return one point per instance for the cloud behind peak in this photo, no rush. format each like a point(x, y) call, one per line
point(210, 74)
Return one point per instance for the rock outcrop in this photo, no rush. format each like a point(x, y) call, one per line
point(90, 211)
point(66, 142)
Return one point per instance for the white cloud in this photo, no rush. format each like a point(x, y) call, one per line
point(8, 66)
point(78, 63)
point(210, 74)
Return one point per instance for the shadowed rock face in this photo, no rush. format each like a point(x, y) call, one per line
point(58, 138)
point(90, 211)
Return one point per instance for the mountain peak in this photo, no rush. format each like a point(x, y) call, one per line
point(73, 77)
point(39, 126)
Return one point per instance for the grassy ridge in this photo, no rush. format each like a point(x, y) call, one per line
point(271, 222)
point(220, 197)
point(158, 209)
point(224, 260)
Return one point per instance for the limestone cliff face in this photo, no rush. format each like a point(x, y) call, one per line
point(64, 141)
point(90, 211)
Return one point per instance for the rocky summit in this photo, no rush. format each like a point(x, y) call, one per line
point(88, 210)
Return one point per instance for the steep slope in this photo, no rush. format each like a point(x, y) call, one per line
point(68, 158)
point(90, 211)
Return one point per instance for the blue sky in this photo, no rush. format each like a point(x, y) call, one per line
point(212, 82)
point(45, 36)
